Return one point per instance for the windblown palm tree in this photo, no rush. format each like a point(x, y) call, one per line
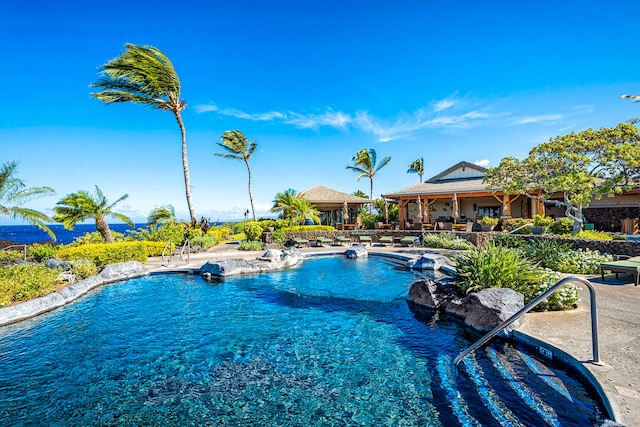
point(238, 147)
point(417, 166)
point(364, 163)
point(144, 75)
point(161, 215)
point(80, 206)
point(284, 204)
point(14, 193)
point(635, 98)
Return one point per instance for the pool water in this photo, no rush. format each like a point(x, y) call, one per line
point(332, 342)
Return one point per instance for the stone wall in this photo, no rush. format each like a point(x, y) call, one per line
point(610, 219)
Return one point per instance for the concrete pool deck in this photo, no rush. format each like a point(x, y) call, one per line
point(618, 303)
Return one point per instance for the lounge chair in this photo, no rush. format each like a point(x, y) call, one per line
point(625, 266)
point(364, 239)
point(408, 241)
point(343, 239)
point(299, 242)
point(324, 241)
point(386, 240)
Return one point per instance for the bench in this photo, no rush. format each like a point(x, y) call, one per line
point(384, 240)
point(408, 241)
point(343, 239)
point(324, 241)
point(626, 266)
point(300, 242)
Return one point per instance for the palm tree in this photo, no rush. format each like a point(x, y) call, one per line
point(417, 166)
point(239, 148)
point(303, 210)
point(144, 75)
point(14, 192)
point(284, 204)
point(635, 98)
point(80, 206)
point(364, 163)
point(161, 215)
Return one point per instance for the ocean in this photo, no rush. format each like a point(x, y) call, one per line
point(30, 233)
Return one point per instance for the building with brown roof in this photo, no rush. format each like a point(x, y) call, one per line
point(335, 206)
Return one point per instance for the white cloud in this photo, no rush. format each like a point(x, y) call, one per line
point(484, 163)
point(206, 108)
point(443, 104)
point(538, 119)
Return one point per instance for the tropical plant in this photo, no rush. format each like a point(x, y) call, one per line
point(446, 241)
point(23, 282)
point(488, 221)
point(145, 75)
point(581, 261)
point(417, 166)
point(304, 211)
point(284, 204)
point(580, 166)
point(253, 230)
point(279, 237)
point(561, 226)
point(81, 206)
point(522, 225)
point(238, 147)
point(593, 235)
point(508, 240)
point(161, 215)
point(545, 252)
point(14, 193)
point(542, 221)
point(365, 164)
point(251, 245)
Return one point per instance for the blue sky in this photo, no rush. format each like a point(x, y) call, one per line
point(312, 82)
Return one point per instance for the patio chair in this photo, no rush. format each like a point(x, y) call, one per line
point(299, 242)
point(364, 240)
point(343, 239)
point(324, 241)
point(386, 240)
point(408, 241)
point(626, 266)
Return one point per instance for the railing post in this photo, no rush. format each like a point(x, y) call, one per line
point(594, 319)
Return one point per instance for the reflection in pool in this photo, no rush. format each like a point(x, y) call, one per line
point(332, 342)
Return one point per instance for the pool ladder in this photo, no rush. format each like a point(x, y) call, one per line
point(594, 319)
point(186, 247)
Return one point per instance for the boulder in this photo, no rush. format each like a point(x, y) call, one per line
point(230, 267)
point(122, 271)
point(433, 294)
point(270, 260)
point(486, 309)
point(427, 262)
point(356, 251)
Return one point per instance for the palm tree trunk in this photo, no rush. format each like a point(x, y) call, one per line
point(371, 195)
point(103, 229)
point(185, 166)
point(253, 209)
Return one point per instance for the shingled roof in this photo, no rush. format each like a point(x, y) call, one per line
point(320, 194)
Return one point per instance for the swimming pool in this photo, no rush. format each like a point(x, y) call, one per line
point(332, 342)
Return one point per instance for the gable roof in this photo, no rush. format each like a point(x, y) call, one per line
point(321, 194)
point(460, 171)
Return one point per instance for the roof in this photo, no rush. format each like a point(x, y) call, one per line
point(321, 194)
point(461, 178)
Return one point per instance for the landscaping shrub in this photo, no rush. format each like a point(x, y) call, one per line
point(545, 252)
point(23, 282)
point(251, 245)
point(84, 268)
point(542, 221)
point(95, 237)
point(279, 237)
point(299, 228)
point(41, 251)
point(173, 231)
point(561, 226)
point(7, 256)
point(508, 241)
point(105, 253)
point(221, 233)
point(582, 261)
point(592, 235)
point(502, 267)
point(446, 241)
point(156, 248)
point(205, 242)
point(253, 230)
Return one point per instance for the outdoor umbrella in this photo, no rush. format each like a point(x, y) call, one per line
point(455, 214)
point(385, 211)
point(345, 212)
point(419, 209)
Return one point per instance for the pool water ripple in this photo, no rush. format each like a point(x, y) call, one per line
point(332, 342)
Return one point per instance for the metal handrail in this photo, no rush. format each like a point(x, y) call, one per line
point(24, 248)
point(170, 246)
point(531, 305)
point(520, 228)
point(186, 245)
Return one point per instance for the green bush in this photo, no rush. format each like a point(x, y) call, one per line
point(279, 237)
point(156, 248)
point(221, 233)
point(545, 252)
point(299, 228)
point(96, 237)
point(23, 282)
point(542, 221)
point(84, 268)
point(173, 231)
point(9, 255)
point(251, 245)
point(253, 230)
point(105, 253)
point(582, 261)
point(487, 220)
point(508, 241)
point(41, 251)
point(592, 235)
point(275, 223)
point(205, 242)
point(369, 221)
point(510, 224)
point(562, 226)
point(502, 267)
point(446, 241)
